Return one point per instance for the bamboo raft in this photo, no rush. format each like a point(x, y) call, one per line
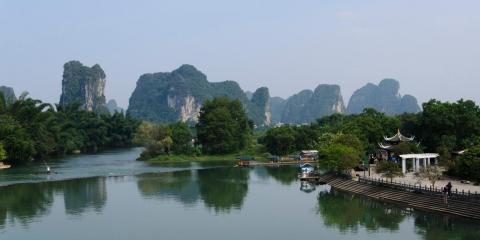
point(408, 199)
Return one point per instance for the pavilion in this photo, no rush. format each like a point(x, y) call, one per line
point(388, 142)
point(424, 158)
point(418, 159)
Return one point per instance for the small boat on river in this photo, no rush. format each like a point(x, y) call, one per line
point(4, 166)
point(307, 172)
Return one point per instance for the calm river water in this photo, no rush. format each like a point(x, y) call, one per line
point(132, 200)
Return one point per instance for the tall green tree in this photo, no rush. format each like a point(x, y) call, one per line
point(182, 138)
point(223, 126)
point(280, 140)
point(338, 157)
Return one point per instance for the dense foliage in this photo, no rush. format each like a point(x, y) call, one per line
point(159, 139)
point(368, 128)
point(31, 130)
point(223, 126)
point(442, 127)
point(468, 165)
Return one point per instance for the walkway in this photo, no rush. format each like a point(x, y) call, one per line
point(405, 198)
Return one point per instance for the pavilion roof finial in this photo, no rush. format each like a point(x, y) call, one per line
point(399, 138)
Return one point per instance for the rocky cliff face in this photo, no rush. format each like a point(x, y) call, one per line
point(261, 103)
point(178, 96)
point(84, 85)
point(8, 94)
point(277, 105)
point(295, 107)
point(307, 106)
point(384, 98)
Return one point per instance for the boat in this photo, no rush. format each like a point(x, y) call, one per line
point(4, 166)
point(307, 172)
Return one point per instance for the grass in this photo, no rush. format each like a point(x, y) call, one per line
point(190, 158)
point(255, 151)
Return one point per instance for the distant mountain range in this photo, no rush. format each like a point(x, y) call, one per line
point(178, 96)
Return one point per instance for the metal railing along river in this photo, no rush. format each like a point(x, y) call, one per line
point(429, 190)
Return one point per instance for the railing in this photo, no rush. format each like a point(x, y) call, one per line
point(455, 194)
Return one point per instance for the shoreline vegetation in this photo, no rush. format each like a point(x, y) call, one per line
point(31, 130)
point(343, 142)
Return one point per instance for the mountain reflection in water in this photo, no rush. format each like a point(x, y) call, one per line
point(260, 198)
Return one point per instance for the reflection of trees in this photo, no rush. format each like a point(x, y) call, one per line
point(180, 185)
point(23, 202)
point(81, 194)
point(223, 188)
point(283, 174)
point(443, 227)
point(347, 212)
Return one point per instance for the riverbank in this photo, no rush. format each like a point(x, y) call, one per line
point(175, 158)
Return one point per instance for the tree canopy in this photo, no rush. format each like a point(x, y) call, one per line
point(30, 130)
point(223, 126)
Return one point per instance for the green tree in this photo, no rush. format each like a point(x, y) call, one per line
point(3, 153)
point(182, 138)
point(223, 126)
point(280, 140)
point(389, 170)
point(338, 157)
point(468, 165)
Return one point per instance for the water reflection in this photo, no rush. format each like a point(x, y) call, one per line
point(306, 186)
point(81, 195)
point(443, 227)
point(348, 212)
point(223, 189)
point(285, 175)
point(181, 186)
point(24, 203)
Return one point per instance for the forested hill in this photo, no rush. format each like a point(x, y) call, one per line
point(308, 105)
point(178, 96)
point(384, 97)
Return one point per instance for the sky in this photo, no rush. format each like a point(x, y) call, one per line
point(431, 46)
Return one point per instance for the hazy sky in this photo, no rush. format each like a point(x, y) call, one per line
point(431, 47)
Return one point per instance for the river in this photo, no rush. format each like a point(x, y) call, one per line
point(112, 196)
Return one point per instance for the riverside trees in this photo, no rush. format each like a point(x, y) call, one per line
point(222, 128)
point(30, 129)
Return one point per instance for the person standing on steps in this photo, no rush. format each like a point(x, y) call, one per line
point(449, 189)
